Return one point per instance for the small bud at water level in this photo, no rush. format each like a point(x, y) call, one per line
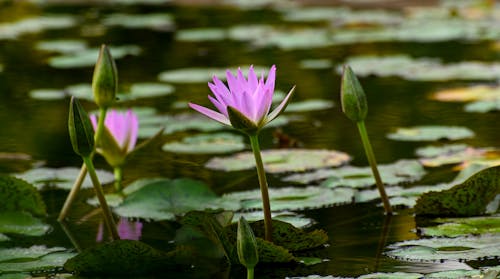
point(80, 129)
point(105, 79)
point(352, 96)
point(246, 245)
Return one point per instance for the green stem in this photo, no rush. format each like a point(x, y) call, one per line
point(373, 165)
point(108, 217)
point(72, 194)
point(118, 178)
point(250, 273)
point(268, 226)
point(100, 125)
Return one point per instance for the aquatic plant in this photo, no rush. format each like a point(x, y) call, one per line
point(246, 245)
point(245, 106)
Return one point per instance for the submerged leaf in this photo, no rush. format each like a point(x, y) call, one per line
point(61, 177)
point(431, 133)
point(281, 160)
point(34, 258)
point(207, 144)
point(22, 223)
point(470, 198)
point(19, 195)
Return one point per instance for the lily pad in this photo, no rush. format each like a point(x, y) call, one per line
point(360, 177)
point(34, 258)
point(36, 25)
point(316, 64)
point(292, 198)
point(442, 248)
point(88, 57)
point(309, 105)
point(391, 275)
point(453, 227)
point(161, 22)
point(471, 198)
point(297, 220)
point(207, 144)
point(61, 177)
point(22, 223)
point(455, 154)
point(200, 75)
point(431, 133)
point(483, 106)
point(62, 46)
point(481, 98)
point(201, 34)
point(19, 195)
point(422, 69)
point(149, 90)
point(163, 199)
point(281, 160)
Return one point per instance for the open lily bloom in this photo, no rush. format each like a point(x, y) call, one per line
point(119, 137)
point(244, 103)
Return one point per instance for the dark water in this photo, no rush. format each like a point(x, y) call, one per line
point(357, 237)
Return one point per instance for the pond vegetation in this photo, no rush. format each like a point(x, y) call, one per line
point(191, 197)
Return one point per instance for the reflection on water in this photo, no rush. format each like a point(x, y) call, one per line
point(358, 233)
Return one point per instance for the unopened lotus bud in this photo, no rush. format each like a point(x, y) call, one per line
point(80, 129)
point(352, 96)
point(246, 245)
point(105, 79)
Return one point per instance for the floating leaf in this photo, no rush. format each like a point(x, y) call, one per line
point(19, 195)
point(452, 227)
point(149, 90)
point(207, 144)
point(61, 177)
point(467, 199)
point(281, 160)
point(391, 275)
point(442, 248)
point(201, 34)
point(422, 68)
point(297, 220)
point(316, 64)
point(160, 22)
point(457, 154)
point(309, 105)
point(36, 25)
point(292, 198)
point(434, 151)
point(468, 94)
point(22, 223)
point(62, 46)
point(359, 177)
point(32, 259)
point(163, 199)
point(431, 133)
point(120, 257)
point(200, 75)
point(483, 106)
point(88, 57)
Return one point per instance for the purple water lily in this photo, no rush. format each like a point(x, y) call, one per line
point(250, 99)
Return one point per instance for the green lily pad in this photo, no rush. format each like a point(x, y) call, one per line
point(483, 106)
point(292, 198)
point(442, 248)
point(453, 227)
point(161, 22)
point(19, 195)
point(163, 199)
point(309, 105)
point(456, 274)
point(434, 151)
point(207, 144)
point(120, 257)
point(297, 220)
point(431, 133)
point(88, 57)
point(61, 177)
point(3, 237)
point(423, 69)
point(201, 75)
point(458, 154)
point(148, 90)
point(36, 25)
point(47, 94)
point(360, 177)
point(281, 160)
point(34, 258)
point(201, 34)
point(470, 198)
point(316, 64)
point(482, 98)
point(391, 275)
point(22, 223)
point(62, 46)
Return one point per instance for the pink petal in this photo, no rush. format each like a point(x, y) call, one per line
point(271, 77)
point(93, 119)
point(281, 107)
point(252, 80)
point(264, 104)
point(132, 129)
point(222, 108)
point(211, 114)
point(233, 83)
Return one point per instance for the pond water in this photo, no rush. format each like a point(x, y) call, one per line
point(46, 48)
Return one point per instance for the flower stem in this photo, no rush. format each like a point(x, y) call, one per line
point(108, 217)
point(118, 178)
point(100, 125)
point(254, 141)
point(373, 165)
point(72, 194)
point(250, 273)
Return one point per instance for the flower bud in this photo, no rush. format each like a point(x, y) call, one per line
point(352, 96)
point(241, 122)
point(246, 244)
point(80, 129)
point(105, 79)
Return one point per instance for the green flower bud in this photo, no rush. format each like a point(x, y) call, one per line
point(105, 79)
point(352, 96)
point(241, 122)
point(246, 245)
point(80, 129)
